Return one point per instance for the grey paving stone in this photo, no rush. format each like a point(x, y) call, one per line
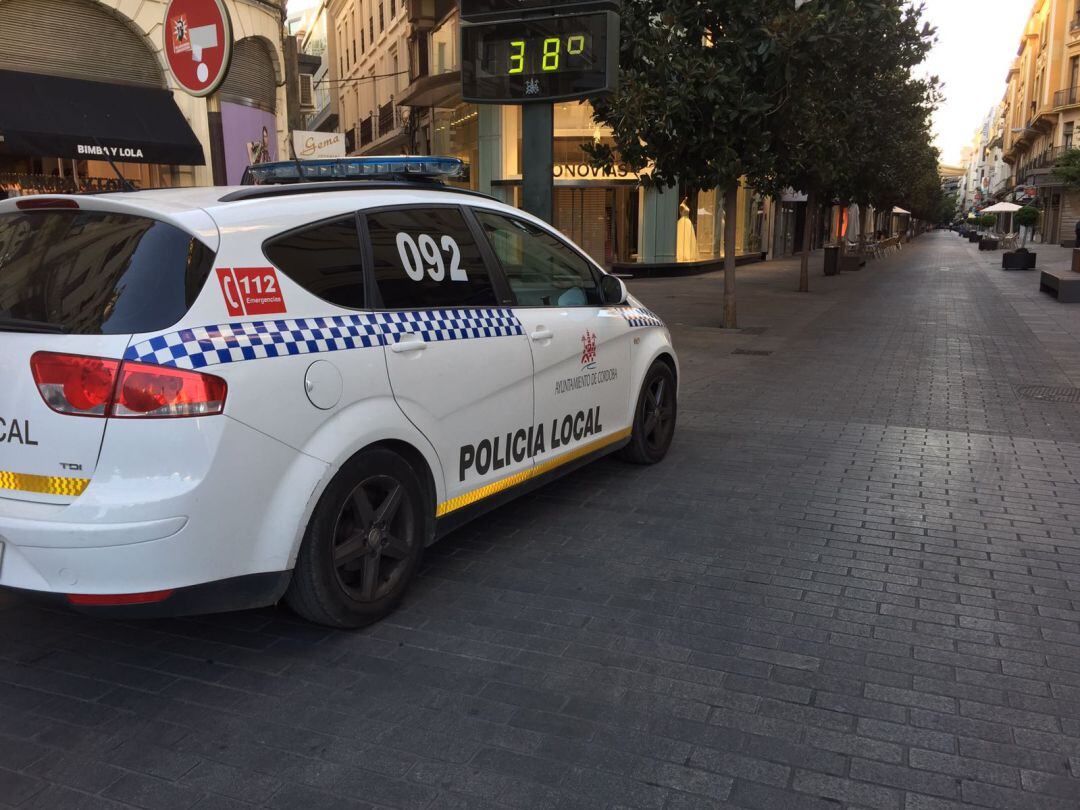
point(853, 583)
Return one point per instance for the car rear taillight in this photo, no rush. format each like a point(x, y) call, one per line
point(38, 203)
point(74, 384)
point(155, 391)
point(97, 386)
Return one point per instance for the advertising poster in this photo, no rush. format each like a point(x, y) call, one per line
point(250, 137)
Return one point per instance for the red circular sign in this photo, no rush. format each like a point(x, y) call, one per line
point(198, 44)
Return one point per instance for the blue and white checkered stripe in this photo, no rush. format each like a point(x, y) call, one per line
point(639, 316)
point(450, 324)
point(235, 342)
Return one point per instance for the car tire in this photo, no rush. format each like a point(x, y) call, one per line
point(654, 417)
point(363, 544)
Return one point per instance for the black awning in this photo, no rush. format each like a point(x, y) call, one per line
point(53, 116)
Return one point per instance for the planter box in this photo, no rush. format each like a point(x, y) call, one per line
point(973, 237)
point(1015, 260)
point(986, 243)
point(851, 262)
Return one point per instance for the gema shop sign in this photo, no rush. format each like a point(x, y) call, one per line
point(198, 44)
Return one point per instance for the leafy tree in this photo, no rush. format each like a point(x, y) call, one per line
point(716, 90)
point(848, 92)
point(946, 209)
point(695, 91)
point(1027, 218)
point(1067, 168)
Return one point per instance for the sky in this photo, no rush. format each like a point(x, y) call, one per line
point(977, 41)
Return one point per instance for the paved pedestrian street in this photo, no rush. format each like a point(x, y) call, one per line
point(855, 582)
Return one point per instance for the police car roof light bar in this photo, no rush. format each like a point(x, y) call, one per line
point(413, 167)
point(288, 189)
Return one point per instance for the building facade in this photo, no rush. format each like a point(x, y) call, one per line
point(317, 96)
point(80, 76)
point(952, 180)
point(1041, 111)
point(369, 69)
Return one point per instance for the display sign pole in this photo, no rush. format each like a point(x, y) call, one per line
point(537, 158)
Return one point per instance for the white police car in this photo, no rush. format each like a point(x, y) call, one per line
point(213, 398)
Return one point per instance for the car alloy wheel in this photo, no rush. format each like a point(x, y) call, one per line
point(658, 414)
point(373, 538)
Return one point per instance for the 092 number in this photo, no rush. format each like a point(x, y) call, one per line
point(550, 55)
point(422, 256)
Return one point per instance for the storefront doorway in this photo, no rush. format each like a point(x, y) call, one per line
point(603, 221)
point(786, 221)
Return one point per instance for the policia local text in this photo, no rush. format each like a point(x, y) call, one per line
point(494, 454)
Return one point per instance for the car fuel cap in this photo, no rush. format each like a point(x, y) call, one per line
point(322, 384)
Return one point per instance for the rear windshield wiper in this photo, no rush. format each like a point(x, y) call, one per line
point(24, 325)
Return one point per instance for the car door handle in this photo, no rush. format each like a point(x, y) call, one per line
point(409, 343)
point(541, 333)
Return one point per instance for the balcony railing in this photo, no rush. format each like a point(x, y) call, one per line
point(378, 123)
point(388, 117)
point(1066, 97)
point(1044, 160)
point(1048, 158)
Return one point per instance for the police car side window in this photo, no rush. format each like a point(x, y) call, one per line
point(541, 270)
point(324, 259)
point(427, 258)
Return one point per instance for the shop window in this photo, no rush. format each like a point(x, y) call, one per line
point(700, 225)
point(323, 259)
point(427, 258)
point(541, 269)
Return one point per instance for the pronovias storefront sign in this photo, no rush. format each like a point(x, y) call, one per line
point(583, 171)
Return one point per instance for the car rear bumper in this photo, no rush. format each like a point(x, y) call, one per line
point(236, 593)
point(175, 506)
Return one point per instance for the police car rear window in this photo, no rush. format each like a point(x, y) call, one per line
point(96, 272)
point(324, 259)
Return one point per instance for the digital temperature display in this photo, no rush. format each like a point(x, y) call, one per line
point(543, 59)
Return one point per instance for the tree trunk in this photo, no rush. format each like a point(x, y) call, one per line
point(731, 203)
point(807, 242)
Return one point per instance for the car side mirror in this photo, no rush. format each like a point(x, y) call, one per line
point(613, 290)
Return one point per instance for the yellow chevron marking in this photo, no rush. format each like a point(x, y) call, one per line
point(47, 484)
